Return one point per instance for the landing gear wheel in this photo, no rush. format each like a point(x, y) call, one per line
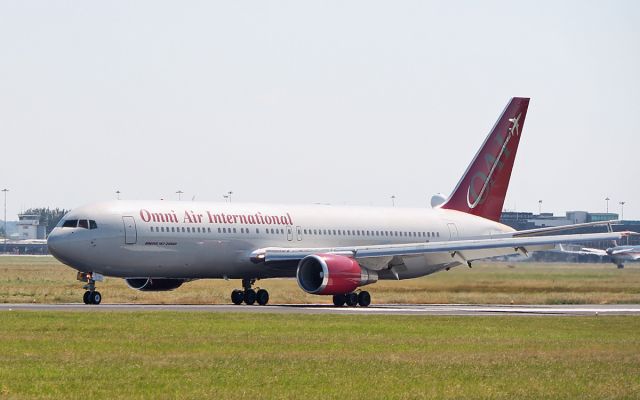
point(85, 297)
point(364, 298)
point(262, 297)
point(249, 297)
point(95, 298)
point(352, 299)
point(339, 300)
point(237, 297)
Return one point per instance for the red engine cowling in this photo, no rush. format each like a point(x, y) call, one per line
point(332, 274)
point(154, 284)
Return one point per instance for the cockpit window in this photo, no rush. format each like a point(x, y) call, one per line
point(82, 223)
point(70, 223)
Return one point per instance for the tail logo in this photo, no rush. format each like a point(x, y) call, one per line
point(492, 162)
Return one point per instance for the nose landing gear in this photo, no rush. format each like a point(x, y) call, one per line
point(91, 296)
point(248, 295)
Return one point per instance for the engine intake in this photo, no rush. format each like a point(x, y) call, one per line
point(332, 274)
point(154, 284)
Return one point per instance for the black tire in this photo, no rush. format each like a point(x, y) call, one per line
point(364, 299)
point(249, 297)
point(95, 298)
point(262, 297)
point(85, 297)
point(339, 300)
point(352, 299)
point(237, 297)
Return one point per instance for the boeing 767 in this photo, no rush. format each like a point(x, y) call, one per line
point(329, 250)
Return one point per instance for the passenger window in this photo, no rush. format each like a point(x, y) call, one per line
point(151, 229)
point(234, 230)
point(83, 223)
point(257, 230)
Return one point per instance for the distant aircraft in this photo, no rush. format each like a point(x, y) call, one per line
point(330, 250)
point(618, 255)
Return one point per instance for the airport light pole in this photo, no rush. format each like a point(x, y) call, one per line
point(5, 190)
point(118, 194)
point(607, 200)
point(539, 207)
point(622, 203)
point(228, 196)
point(393, 200)
point(179, 192)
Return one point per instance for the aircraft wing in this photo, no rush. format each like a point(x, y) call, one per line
point(631, 252)
point(554, 229)
point(460, 250)
point(587, 250)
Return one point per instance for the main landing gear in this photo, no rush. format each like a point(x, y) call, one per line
point(363, 299)
point(248, 295)
point(91, 296)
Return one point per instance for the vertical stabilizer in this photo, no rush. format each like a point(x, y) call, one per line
point(483, 187)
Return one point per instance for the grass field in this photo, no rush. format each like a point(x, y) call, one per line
point(221, 356)
point(45, 280)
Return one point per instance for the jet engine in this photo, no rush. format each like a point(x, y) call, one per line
point(154, 284)
point(332, 274)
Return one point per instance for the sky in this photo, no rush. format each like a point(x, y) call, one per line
point(341, 102)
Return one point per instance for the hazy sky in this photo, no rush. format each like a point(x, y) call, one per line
point(342, 102)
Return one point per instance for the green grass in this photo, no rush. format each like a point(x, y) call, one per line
point(216, 355)
point(45, 280)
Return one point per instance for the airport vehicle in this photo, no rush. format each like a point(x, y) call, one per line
point(618, 255)
point(330, 250)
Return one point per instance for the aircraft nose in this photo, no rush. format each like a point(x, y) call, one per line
point(57, 242)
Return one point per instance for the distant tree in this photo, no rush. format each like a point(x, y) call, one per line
point(48, 217)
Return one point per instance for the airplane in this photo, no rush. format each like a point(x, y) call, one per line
point(329, 250)
point(618, 255)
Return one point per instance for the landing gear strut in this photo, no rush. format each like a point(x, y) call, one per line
point(248, 295)
point(352, 299)
point(91, 296)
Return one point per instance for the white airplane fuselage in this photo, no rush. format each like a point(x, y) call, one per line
point(195, 240)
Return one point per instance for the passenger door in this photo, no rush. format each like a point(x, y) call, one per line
point(453, 231)
point(130, 232)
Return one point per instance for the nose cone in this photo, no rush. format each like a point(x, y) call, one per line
point(58, 244)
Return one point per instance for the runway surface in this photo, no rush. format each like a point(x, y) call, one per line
point(379, 309)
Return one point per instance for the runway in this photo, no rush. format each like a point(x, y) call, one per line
point(380, 309)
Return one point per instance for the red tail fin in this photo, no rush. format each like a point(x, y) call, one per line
point(483, 186)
